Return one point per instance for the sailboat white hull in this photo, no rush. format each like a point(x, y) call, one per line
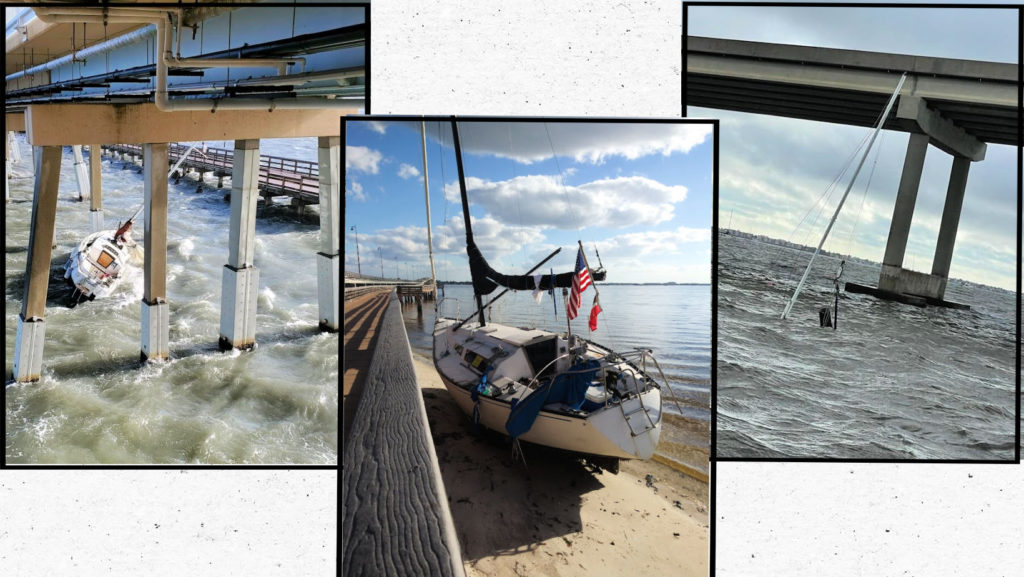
point(604, 434)
point(626, 428)
point(95, 266)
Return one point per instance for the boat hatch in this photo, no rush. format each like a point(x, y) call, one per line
point(477, 361)
point(105, 259)
point(541, 353)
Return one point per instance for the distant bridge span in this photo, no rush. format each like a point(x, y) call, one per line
point(850, 86)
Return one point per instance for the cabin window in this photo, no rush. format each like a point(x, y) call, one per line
point(105, 259)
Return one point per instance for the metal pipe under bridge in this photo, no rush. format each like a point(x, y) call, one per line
point(298, 179)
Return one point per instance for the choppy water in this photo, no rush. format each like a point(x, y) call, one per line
point(673, 321)
point(892, 382)
point(96, 404)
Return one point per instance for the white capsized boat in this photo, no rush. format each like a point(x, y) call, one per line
point(553, 389)
point(96, 265)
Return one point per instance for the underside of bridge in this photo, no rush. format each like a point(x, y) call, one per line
point(957, 106)
point(156, 75)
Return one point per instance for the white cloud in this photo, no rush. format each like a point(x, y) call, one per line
point(362, 159)
point(355, 191)
point(378, 126)
point(408, 171)
point(591, 143)
point(542, 200)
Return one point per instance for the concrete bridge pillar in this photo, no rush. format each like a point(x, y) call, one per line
point(241, 279)
point(81, 172)
point(12, 144)
point(328, 259)
point(951, 216)
point(155, 319)
point(95, 187)
point(28, 345)
point(929, 128)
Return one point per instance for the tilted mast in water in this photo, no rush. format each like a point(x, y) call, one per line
point(888, 107)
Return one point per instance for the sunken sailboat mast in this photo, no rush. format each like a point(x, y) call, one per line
point(867, 149)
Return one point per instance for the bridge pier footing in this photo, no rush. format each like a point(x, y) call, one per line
point(28, 346)
point(240, 284)
point(329, 259)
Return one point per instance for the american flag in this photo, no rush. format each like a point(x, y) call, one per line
point(580, 282)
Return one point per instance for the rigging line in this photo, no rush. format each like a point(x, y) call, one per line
point(819, 203)
point(561, 180)
point(864, 195)
point(444, 191)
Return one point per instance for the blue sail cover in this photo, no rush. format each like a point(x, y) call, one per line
point(569, 388)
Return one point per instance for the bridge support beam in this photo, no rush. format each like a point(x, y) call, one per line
point(328, 259)
point(240, 283)
point(906, 198)
point(155, 319)
point(95, 187)
point(28, 346)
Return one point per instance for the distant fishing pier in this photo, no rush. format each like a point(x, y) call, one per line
point(240, 73)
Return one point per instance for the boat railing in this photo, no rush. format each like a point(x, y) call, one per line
point(647, 354)
point(458, 307)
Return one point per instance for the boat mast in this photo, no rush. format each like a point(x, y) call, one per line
point(888, 107)
point(426, 194)
point(465, 212)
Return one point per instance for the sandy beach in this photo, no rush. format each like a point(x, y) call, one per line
point(557, 516)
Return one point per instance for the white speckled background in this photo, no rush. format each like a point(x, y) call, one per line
point(158, 523)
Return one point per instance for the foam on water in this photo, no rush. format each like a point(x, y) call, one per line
point(97, 404)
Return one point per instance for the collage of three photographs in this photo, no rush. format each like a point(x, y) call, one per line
point(555, 327)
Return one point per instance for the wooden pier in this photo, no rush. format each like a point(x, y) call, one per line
point(396, 519)
point(298, 179)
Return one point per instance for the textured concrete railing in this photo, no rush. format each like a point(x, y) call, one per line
point(395, 517)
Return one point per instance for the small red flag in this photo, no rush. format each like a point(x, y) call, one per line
point(593, 314)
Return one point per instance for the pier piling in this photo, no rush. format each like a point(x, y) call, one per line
point(240, 283)
point(328, 259)
point(28, 346)
point(95, 187)
point(155, 320)
point(81, 172)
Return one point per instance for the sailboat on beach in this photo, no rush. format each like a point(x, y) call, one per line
point(548, 388)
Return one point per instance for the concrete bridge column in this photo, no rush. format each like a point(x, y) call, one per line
point(28, 345)
point(95, 187)
point(12, 144)
point(951, 217)
point(241, 279)
point(328, 259)
point(155, 319)
point(7, 159)
point(81, 172)
point(903, 213)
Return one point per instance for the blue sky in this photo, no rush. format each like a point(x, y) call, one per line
point(641, 193)
point(773, 169)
